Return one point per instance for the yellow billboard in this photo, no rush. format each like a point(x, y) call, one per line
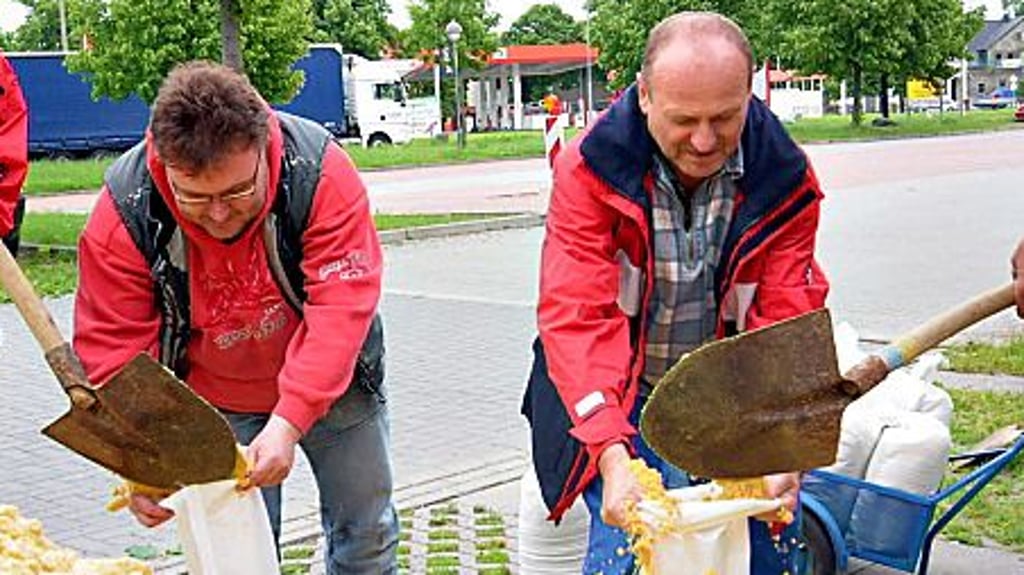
point(921, 90)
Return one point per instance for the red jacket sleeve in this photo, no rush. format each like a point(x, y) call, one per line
point(791, 282)
point(13, 144)
point(115, 312)
point(343, 265)
point(584, 332)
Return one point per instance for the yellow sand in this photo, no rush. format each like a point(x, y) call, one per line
point(123, 492)
point(644, 535)
point(25, 550)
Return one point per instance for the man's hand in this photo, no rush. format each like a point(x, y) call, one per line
point(272, 453)
point(147, 511)
point(1017, 272)
point(620, 485)
point(783, 486)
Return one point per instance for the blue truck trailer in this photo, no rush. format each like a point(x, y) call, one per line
point(64, 120)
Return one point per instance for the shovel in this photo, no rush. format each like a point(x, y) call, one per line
point(770, 400)
point(143, 423)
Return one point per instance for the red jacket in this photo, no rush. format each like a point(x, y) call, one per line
point(249, 351)
point(13, 144)
point(597, 277)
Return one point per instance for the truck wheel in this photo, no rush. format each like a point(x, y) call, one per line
point(818, 557)
point(378, 140)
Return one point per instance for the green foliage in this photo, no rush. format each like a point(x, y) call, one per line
point(543, 24)
point(861, 39)
point(360, 26)
point(425, 38)
point(136, 43)
point(620, 28)
point(41, 29)
point(53, 229)
point(1013, 7)
point(997, 513)
point(1007, 358)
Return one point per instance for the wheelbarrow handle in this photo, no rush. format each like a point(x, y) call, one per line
point(62, 359)
point(873, 369)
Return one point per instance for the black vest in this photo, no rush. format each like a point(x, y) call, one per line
point(159, 239)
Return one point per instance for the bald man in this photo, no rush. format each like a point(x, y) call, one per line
point(684, 214)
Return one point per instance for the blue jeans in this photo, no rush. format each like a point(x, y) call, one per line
point(348, 452)
point(603, 554)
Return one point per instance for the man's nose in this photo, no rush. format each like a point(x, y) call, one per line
point(704, 140)
point(218, 211)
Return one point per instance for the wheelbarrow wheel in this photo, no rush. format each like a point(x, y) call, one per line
point(819, 556)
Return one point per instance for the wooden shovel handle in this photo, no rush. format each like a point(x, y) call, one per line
point(873, 369)
point(62, 360)
point(31, 307)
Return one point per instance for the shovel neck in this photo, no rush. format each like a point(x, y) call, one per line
point(71, 375)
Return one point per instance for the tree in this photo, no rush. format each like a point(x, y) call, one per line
point(543, 24)
point(881, 39)
point(134, 44)
point(851, 39)
point(40, 32)
point(941, 31)
point(425, 38)
point(230, 35)
point(1013, 7)
point(620, 28)
point(360, 26)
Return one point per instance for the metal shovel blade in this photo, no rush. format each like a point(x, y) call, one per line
point(149, 427)
point(781, 411)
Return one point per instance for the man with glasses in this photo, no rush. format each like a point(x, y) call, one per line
point(236, 245)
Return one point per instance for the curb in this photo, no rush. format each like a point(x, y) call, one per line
point(982, 381)
point(520, 221)
point(389, 237)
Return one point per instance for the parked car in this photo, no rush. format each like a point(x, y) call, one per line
point(1019, 114)
point(999, 98)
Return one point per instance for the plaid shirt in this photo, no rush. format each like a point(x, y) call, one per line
point(682, 313)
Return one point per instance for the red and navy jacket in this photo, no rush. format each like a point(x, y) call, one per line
point(597, 275)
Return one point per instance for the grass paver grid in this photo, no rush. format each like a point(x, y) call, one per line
point(457, 539)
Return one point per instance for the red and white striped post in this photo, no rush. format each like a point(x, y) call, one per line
point(553, 138)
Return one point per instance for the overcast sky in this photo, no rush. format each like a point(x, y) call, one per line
point(12, 13)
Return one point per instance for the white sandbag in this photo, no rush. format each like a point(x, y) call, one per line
point(223, 531)
point(708, 537)
point(902, 391)
point(911, 457)
point(858, 437)
point(546, 548)
point(910, 388)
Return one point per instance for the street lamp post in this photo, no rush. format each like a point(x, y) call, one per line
point(454, 31)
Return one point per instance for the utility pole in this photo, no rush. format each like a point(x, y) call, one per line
point(63, 26)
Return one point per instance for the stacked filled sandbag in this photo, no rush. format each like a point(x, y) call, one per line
point(879, 429)
point(546, 548)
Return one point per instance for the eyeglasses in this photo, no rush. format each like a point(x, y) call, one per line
point(196, 202)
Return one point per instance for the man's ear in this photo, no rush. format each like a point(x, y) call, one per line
point(643, 93)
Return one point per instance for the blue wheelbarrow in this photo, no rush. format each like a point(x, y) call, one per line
point(844, 517)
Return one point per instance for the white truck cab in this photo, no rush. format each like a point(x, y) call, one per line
point(376, 100)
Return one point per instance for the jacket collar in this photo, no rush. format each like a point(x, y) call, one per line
point(619, 150)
